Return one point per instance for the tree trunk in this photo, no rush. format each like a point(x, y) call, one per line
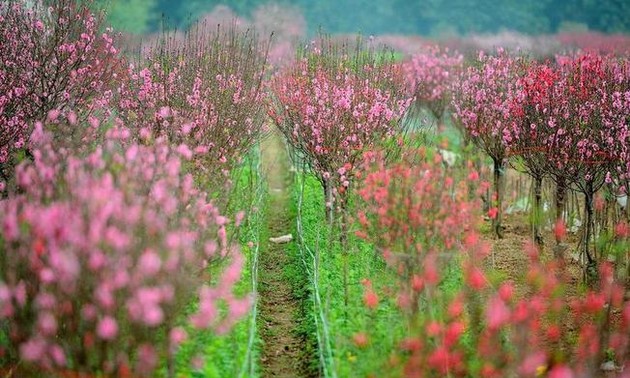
point(591, 263)
point(561, 192)
point(536, 219)
point(329, 199)
point(343, 239)
point(499, 168)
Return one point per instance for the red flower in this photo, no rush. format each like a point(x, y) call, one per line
point(553, 332)
point(473, 176)
point(493, 212)
point(456, 307)
point(497, 313)
point(360, 339)
point(417, 283)
point(593, 303)
point(561, 371)
point(560, 230)
point(475, 278)
point(453, 333)
point(622, 230)
point(370, 299)
point(506, 291)
point(434, 328)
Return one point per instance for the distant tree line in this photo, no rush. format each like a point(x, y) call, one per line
point(423, 17)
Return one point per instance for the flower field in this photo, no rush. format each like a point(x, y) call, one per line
point(222, 203)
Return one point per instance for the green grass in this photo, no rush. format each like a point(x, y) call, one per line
point(384, 325)
point(297, 274)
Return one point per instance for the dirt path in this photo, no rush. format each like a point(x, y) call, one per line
point(283, 350)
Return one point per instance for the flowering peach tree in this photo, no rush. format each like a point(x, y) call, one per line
point(424, 224)
point(100, 254)
point(482, 104)
point(592, 145)
point(335, 103)
point(204, 92)
point(431, 74)
point(52, 58)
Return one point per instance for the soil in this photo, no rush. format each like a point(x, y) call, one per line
point(283, 350)
point(512, 262)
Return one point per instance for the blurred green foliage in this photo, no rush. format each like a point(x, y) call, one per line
point(132, 16)
point(424, 17)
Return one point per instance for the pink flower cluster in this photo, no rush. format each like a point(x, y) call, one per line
point(567, 120)
point(482, 100)
point(101, 254)
point(430, 74)
point(594, 87)
point(417, 216)
point(577, 112)
point(541, 324)
point(482, 104)
point(50, 58)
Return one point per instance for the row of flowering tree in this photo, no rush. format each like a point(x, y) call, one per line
point(101, 253)
point(424, 223)
point(109, 226)
point(574, 128)
point(565, 120)
point(482, 103)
